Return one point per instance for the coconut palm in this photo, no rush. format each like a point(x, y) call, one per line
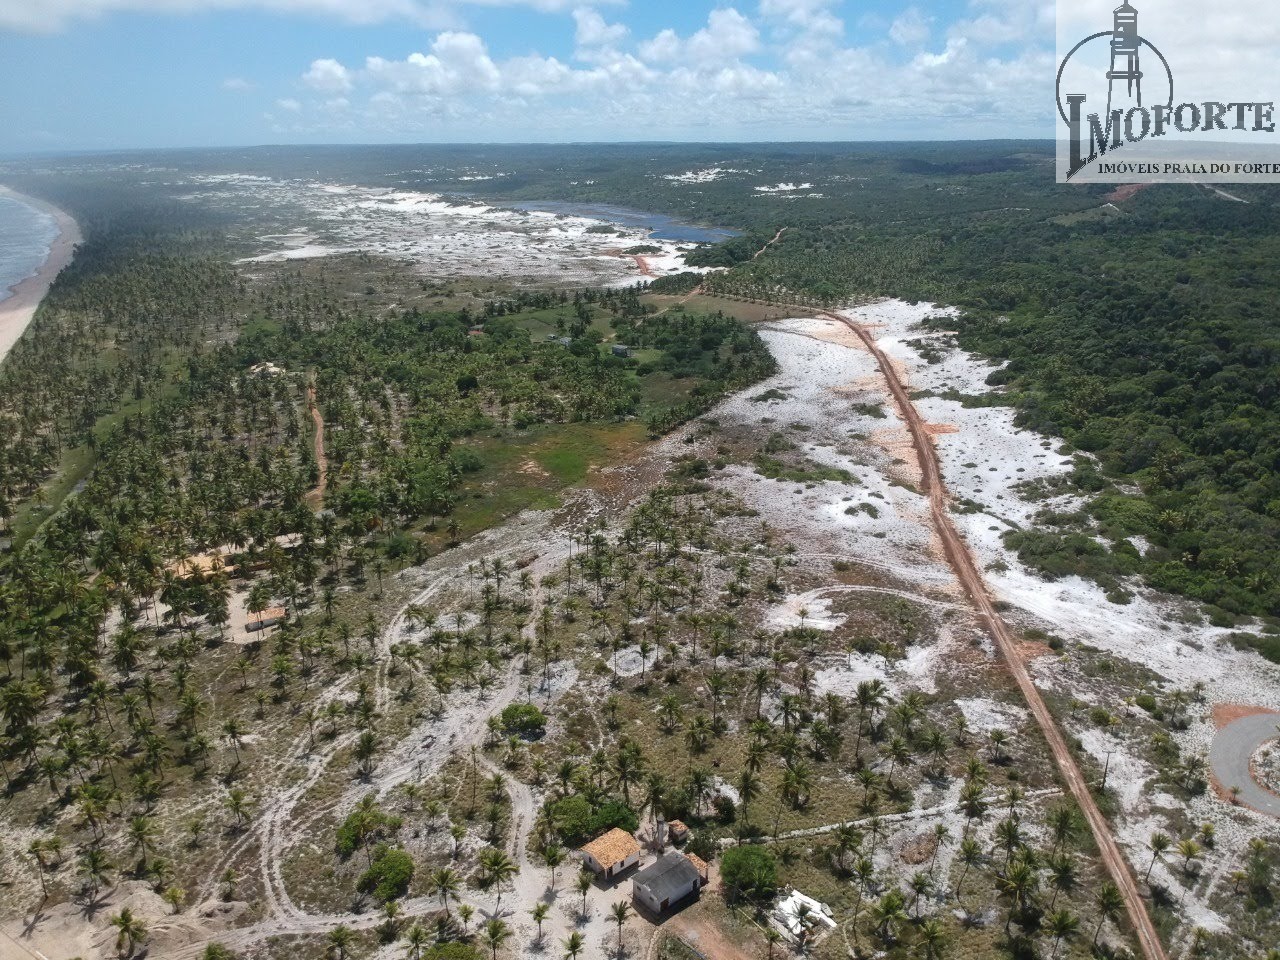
point(619, 912)
point(130, 931)
point(495, 934)
point(340, 940)
point(539, 914)
point(573, 946)
point(1110, 904)
point(445, 884)
point(1061, 925)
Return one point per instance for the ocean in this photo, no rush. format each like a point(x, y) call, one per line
point(25, 237)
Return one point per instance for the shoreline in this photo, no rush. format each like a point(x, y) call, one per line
point(18, 309)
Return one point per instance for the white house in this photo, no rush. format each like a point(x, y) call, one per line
point(611, 853)
point(669, 880)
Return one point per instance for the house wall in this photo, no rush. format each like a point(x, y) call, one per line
point(643, 894)
point(612, 869)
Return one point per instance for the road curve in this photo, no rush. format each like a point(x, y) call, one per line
point(962, 562)
point(1230, 754)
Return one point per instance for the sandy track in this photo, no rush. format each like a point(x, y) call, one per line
point(776, 237)
point(1231, 756)
point(316, 497)
point(967, 571)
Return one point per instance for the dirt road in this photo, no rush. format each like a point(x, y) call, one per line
point(776, 237)
point(315, 497)
point(966, 569)
point(1231, 756)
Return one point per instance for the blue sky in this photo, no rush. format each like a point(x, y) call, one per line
point(94, 74)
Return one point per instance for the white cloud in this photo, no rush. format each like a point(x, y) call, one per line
point(727, 36)
point(593, 31)
point(237, 85)
point(327, 76)
point(808, 16)
point(663, 48)
point(911, 28)
point(51, 15)
point(288, 103)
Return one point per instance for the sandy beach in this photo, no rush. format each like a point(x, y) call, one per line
point(17, 310)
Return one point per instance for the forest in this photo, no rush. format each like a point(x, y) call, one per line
point(243, 504)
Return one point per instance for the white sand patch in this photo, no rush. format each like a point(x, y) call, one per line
point(784, 188)
point(918, 670)
point(843, 678)
point(823, 374)
point(445, 237)
point(626, 662)
point(804, 610)
point(706, 175)
point(982, 461)
point(984, 715)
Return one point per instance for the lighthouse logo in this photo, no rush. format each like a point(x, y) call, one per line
point(1115, 89)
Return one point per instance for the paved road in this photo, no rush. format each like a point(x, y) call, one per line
point(1233, 747)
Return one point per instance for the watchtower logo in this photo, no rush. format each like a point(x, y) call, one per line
point(1127, 72)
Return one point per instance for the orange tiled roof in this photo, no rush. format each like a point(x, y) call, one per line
point(611, 847)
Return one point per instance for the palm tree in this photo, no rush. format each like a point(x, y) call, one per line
point(1110, 906)
point(497, 868)
point(416, 938)
point(1158, 844)
point(619, 912)
point(888, 913)
point(142, 835)
point(1062, 877)
point(445, 884)
point(1189, 850)
point(933, 938)
point(340, 940)
point(573, 946)
point(583, 883)
point(539, 914)
point(94, 865)
point(1061, 925)
point(496, 933)
point(970, 854)
point(130, 931)
point(553, 855)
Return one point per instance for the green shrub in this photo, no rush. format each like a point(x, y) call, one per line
point(523, 719)
point(749, 871)
point(389, 875)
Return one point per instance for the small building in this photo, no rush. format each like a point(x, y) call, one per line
point(620, 350)
point(611, 853)
point(668, 881)
point(704, 871)
point(678, 831)
point(802, 918)
point(270, 617)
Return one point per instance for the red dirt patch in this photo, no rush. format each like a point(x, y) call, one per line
point(1226, 713)
point(937, 429)
point(1125, 191)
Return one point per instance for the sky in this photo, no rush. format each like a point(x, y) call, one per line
point(106, 74)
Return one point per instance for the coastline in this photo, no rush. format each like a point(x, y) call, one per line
point(17, 310)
